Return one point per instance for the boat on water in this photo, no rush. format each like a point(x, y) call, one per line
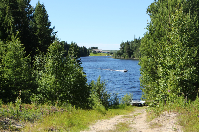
point(115, 70)
point(125, 70)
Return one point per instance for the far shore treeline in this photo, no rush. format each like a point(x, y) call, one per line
point(129, 50)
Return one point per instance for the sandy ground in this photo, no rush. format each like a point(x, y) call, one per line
point(166, 122)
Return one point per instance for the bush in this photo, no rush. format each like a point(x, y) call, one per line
point(61, 79)
point(98, 95)
point(127, 99)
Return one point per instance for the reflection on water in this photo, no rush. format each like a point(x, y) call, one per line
point(112, 71)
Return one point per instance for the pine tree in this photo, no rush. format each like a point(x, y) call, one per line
point(7, 21)
point(15, 20)
point(43, 33)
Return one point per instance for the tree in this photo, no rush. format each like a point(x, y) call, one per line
point(16, 74)
point(40, 24)
point(127, 49)
point(22, 23)
point(61, 79)
point(15, 18)
point(169, 52)
point(7, 11)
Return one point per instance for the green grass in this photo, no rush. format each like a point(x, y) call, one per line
point(75, 121)
point(44, 118)
point(67, 118)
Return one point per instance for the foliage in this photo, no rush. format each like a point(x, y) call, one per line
point(42, 70)
point(30, 25)
point(51, 118)
point(169, 52)
point(43, 35)
point(127, 99)
point(15, 72)
point(82, 51)
point(61, 78)
point(170, 60)
point(129, 49)
point(98, 96)
point(15, 16)
point(114, 100)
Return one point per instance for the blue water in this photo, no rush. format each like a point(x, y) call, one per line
point(116, 81)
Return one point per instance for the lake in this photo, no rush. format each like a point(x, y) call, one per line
point(116, 81)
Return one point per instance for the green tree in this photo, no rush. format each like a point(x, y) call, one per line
point(22, 24)
point(61, 79)
point(127, 50)
point(15, 19)
point(9, 19)
point(16, 74)
point(169, 62)
point(41, 28)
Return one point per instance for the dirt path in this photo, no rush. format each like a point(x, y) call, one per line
point(137, 120)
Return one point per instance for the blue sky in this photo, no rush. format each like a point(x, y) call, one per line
point(99, 23)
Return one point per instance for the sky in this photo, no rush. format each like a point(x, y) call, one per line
point(97, 23)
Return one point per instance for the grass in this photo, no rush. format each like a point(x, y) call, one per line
point(67, 118)
point(42, 118)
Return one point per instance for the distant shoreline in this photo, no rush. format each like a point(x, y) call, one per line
point(127, 58)
point(99, 54)
point(105, 54)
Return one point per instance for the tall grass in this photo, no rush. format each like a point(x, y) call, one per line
point(37, 117)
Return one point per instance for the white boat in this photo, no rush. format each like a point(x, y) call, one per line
point(137, 103)
point(116, 70)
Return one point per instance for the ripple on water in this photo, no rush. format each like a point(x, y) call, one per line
point(116, 81)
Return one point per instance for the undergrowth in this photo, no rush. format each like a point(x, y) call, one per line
point(37, 117)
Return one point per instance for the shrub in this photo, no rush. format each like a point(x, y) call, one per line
point(127, 99)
